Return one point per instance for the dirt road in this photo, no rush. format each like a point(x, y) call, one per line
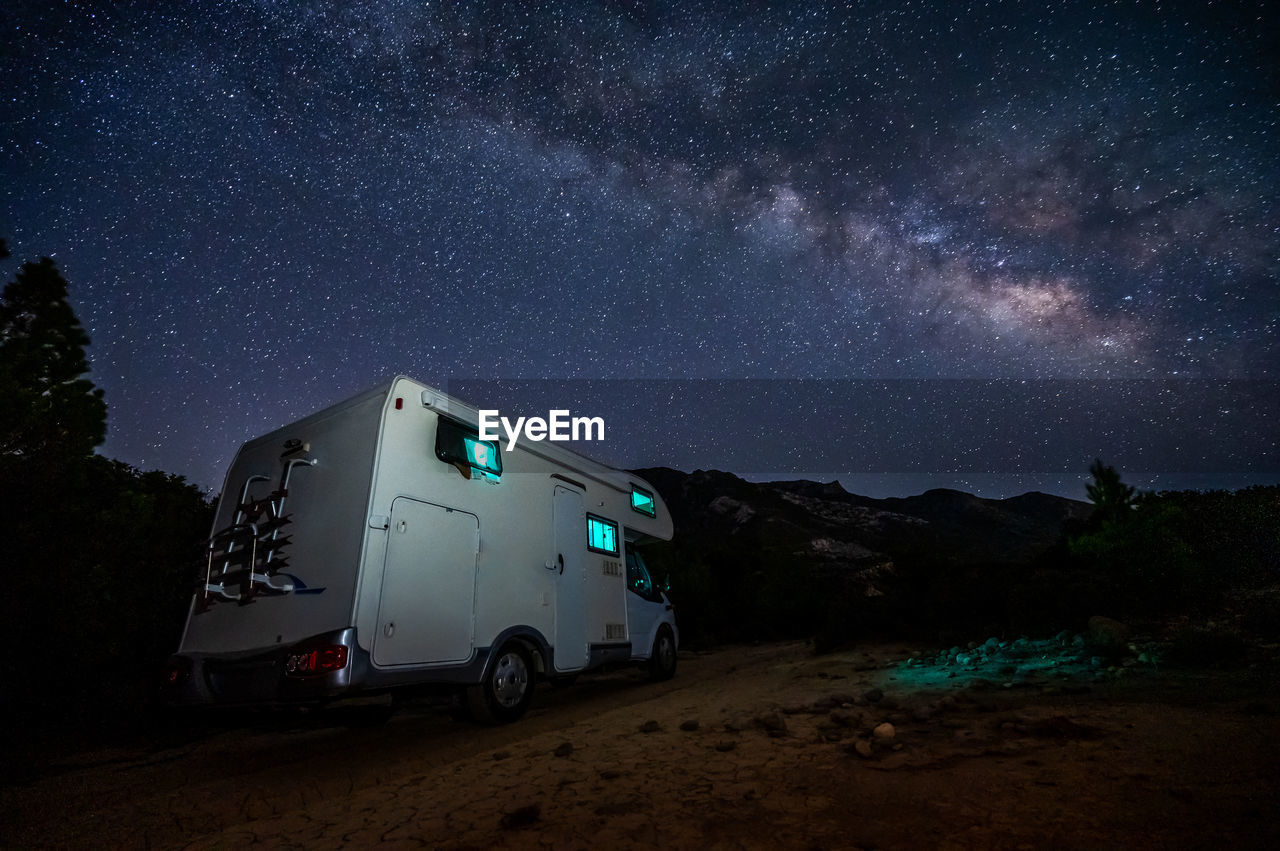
point(762, 746)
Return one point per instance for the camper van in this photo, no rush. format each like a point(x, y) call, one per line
point(382, 545)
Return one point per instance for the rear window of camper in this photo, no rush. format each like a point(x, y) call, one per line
point(457, 443)
point(642, 501)
point(602, 535)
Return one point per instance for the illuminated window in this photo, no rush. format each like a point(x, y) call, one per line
point(642, 501)
point(602, 535)
point(460, 445)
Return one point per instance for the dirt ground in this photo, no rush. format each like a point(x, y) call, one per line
point(748, 747)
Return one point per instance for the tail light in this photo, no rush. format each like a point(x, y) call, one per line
point(177, 671)
point(314, 661)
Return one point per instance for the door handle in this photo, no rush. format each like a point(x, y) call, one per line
point(560, 558)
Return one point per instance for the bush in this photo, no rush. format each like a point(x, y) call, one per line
point(1198, 646)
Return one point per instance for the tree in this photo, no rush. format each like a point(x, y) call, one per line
point(1112, 499)
point(47, 407)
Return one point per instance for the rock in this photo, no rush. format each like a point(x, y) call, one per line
point(690, 725)
point(1078, 640)
point(844, 717)
point(610, 774)
point(794, 709)
point(563, 749)
point(499, 755)
point(921, 713)
point(884, 731)
point(831, 733)
point(521, 817)
point(772, 723)
point(1105, 632)
point(650, 727)
point(875, 695)
point(991, 643)
point(1059, 727)
point(1063, 637)
point(725, 747)
point(862, 748)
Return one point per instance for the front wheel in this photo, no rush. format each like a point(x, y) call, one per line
point(507, 688)
point(662, 664)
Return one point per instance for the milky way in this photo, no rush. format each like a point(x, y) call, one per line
point(263, 207)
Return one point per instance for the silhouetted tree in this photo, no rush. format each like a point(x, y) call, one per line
point(48, 407)
point(1112, 498)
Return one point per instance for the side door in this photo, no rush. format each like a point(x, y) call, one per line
point(426, 613)
point(570, 563)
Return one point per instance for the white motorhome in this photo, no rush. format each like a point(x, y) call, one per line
point(380, 544)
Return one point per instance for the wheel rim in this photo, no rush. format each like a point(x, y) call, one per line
point(666, 652)
point(510, 679)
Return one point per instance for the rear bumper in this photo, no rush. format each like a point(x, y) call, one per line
point(260, 676)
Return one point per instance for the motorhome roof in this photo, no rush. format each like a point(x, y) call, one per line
point(441, 401)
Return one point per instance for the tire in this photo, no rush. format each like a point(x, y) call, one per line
point(662, 662)
point(507, 688)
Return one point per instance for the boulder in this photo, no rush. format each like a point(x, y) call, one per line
point(1108, 633)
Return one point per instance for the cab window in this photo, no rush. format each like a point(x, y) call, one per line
point(638, 578)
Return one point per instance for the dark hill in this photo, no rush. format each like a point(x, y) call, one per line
point(948, 526)
point(764, 559)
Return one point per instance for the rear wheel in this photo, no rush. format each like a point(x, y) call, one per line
point(662, 663)
point(507, 688)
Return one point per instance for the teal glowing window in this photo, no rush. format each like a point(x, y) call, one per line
point(602, 535)
point(482, 454)
point(461, 446)
point(642, 501)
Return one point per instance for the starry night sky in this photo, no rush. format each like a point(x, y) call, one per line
point(931, 235)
